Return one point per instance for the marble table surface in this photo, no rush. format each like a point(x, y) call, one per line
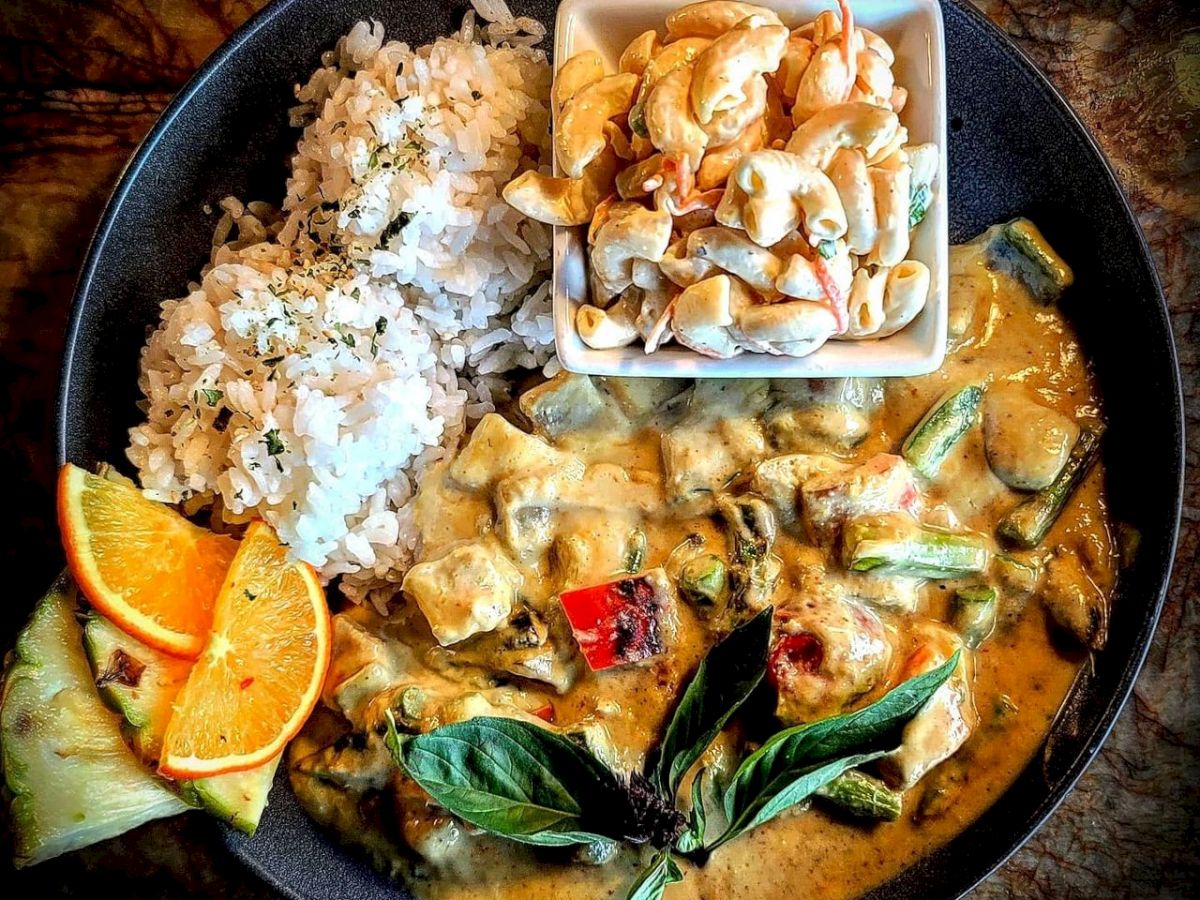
point(81, 81)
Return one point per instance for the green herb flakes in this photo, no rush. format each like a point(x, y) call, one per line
point(274, 442)
point(381, 326)
point(395, 226)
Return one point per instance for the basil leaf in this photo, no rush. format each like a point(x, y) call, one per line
point(793, 762)
point(510, 778)
point(728, 675)
point(788, 790)
point(663, 870)
point(693, 839)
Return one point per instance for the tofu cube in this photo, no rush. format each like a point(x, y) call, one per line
point(701, 459)
point(779, 479)
point(946, 720)
point(469, 590)
point(498, 449)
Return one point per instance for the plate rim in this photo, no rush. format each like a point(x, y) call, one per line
point(1134, 663)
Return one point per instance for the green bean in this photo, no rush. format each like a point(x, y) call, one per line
point(896, 545)
point(942, 427)
point(1027, 524)
point(864, 796)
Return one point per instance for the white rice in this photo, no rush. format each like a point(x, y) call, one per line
point(334, 349)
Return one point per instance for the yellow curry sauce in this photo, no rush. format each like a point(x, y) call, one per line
point(1018, 677)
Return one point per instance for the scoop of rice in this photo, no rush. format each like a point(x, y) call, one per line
point(334, 349)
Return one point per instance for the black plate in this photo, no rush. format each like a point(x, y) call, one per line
point(1015, 148)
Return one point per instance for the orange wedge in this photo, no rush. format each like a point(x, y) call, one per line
point(146, 567)
point(260, 674)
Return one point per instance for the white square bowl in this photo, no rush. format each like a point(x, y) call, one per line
point(914, 30)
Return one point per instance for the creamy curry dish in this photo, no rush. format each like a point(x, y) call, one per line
point(660, 630)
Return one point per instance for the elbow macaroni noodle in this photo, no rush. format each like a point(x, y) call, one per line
point(747, 186)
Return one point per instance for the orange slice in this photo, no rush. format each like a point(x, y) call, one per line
point(260, 674)
point(146, 567)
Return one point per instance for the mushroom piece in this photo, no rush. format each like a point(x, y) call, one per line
point(1027, 443)
point(1074, 600)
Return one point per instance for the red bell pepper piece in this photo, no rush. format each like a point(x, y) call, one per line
point(618, 623)
point(795, 654)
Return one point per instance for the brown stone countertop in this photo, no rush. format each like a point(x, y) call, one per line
point(81, 81)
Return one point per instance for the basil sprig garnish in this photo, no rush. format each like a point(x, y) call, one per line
point(663, 870)
point(521, 781)
point(692, 839)
point(797, 761)
point(726, 678)
point(510, 778)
